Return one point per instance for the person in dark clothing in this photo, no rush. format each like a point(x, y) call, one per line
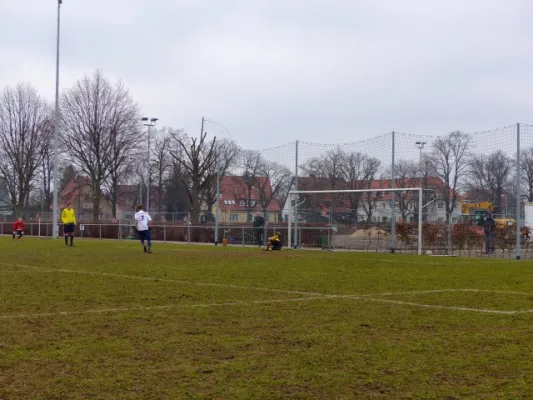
point(259, 224)
point(489, 229)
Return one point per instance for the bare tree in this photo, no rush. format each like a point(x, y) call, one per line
point(100, 130)
point(355, 173)
point(407, 175)
point(489, 177)
point(46, 168)
point(225, 159)
point(499, 170)
point(330, 165)
point(449, 161)
point(476, 182)
point(253, 165)
point(274, 179)
point(526, 165)
point(372, 196)
point(23, 136)
point(160, 165)
point(195, 157)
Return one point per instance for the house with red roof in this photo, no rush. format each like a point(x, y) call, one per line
point(241, 198)
point(79, 192)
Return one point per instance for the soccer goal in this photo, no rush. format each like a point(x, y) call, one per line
point(359, 219)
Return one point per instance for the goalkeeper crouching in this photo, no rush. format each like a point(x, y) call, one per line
point(274, 242)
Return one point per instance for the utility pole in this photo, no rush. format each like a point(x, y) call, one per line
point(55, 207)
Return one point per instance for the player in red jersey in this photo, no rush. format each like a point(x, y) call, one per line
point(18, 229)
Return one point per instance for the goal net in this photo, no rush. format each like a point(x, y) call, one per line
point(373, 219)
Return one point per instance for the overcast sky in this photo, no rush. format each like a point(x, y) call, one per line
point(274, 71)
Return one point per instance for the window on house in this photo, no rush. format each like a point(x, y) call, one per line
point(267, 217)
point(242, 203)
point(383, 193)
point(234, 217)
point(440, 205)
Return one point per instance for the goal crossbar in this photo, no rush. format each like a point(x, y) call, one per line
point(420, 191)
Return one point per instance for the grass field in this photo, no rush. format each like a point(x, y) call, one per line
point(105, 321)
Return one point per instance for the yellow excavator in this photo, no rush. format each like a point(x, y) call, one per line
point(475, 212)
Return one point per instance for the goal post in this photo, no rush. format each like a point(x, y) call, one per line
point(371, 196)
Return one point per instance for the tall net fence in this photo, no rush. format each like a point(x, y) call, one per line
point(465, 177)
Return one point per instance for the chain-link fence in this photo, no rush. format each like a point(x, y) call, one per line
point(465, 177)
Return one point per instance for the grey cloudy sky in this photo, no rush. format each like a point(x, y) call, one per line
point(274, 71)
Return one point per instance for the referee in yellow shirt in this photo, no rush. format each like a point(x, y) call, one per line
point(68, 217)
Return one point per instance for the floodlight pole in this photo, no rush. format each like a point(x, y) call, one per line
point(420, 146)
point(149, 125)
point(55, 206)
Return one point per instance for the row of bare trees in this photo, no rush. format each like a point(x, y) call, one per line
point(450, 168)
point(102, 140)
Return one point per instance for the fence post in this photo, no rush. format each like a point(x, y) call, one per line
point(189, 232)
point(296, 244)
point(517, 193)
point(242, 236)
point(164, 233)
point(393, 197)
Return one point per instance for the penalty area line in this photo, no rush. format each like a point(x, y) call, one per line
point(154, 279)
point(158, 308)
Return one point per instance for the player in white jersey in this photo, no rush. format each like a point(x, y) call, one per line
point(143, 224)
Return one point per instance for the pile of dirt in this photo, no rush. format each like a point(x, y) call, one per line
point(370, 233)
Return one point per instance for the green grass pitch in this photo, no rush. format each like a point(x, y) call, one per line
point(103, 320)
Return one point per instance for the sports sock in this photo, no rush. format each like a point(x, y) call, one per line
point(71, 240)
point(66, 240)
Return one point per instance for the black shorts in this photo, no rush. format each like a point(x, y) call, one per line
point(145, 235)
point(69, 228)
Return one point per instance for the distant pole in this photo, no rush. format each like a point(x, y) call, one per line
point(517, 193)
point(420, 146)
point(55, 207)
point(393, 201)
point(148, 174)
point(296, 244)
point(217, 199)
point(148, 122)
point(420, 231)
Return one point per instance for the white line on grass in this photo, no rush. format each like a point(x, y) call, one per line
point(448, 290)
point(156, 308)
point(316, 296)
point(153, 279)
point(256, 302)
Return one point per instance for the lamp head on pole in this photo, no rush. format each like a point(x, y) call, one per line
point(420, 145)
